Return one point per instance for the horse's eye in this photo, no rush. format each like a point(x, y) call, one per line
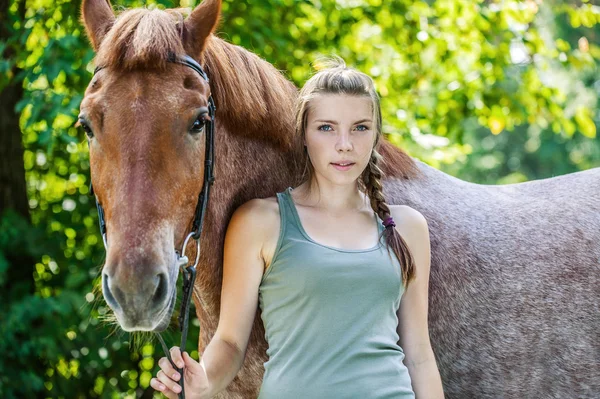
point(86, 128)
point(199, 123)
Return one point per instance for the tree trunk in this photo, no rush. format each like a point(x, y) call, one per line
point(13, 193)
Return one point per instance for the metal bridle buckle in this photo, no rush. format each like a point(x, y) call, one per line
point(183, 260)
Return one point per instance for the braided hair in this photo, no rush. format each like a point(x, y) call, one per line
point(371, 181)
point(335, 77)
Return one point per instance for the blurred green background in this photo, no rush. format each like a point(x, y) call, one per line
point(492, 92)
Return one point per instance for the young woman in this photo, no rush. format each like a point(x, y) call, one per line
point(340, 276)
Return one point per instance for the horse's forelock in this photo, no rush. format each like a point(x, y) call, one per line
point(143, 39)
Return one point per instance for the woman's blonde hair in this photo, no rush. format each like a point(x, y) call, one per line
point(334, 77)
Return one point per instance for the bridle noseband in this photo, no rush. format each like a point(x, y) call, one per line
point(189, 272)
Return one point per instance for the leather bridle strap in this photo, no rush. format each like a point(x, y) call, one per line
point(189, 277)
point(189, 272)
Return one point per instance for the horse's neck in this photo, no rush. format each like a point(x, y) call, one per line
point(249, 169)
point(245, 169)
point(254, 153)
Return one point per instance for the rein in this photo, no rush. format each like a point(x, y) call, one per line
point(189, 272)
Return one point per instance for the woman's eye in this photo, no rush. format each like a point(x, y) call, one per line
point(362, 128)
point(326, 128)
point(198, 126)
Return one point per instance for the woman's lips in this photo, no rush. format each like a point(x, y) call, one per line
point(343, 166)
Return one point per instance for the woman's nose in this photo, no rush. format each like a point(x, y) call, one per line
point(343, 142)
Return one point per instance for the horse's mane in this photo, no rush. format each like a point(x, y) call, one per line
point(252, 97)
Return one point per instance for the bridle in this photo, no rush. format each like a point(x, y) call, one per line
point(189, 272)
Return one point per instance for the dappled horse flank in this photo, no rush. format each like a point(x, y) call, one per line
point(514, 275)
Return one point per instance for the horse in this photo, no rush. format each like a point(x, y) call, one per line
point(514, 285)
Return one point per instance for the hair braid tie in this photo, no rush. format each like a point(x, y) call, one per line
point(389, 221)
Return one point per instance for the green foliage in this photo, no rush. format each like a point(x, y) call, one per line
point(489, 91)
point(443, 68)
point(63, 324)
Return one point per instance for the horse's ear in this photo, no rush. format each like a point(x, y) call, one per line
point(199, 25)
point(97, 17)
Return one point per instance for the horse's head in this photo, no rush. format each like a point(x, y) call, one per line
point(144, 117)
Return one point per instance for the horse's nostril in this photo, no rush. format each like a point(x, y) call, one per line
point(161, 289)
point(110, 299)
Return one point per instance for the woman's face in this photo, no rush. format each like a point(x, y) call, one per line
point(339, 136)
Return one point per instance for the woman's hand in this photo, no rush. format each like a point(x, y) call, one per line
point(196, 381)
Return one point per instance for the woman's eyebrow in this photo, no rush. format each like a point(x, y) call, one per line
point(335, 123)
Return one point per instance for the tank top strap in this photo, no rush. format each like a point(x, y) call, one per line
point(287, 212)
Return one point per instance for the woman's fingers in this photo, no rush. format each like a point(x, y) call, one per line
point(159, 386)
point(176, 356)
point(166, 366)
point(167, 377)
point(168, 382)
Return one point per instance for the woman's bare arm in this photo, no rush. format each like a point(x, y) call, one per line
point(413, 328)
point(243, 264)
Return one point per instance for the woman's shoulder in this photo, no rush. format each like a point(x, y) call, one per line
point(406, 214)
point(258, 222)
point(409, 222)
point(258, 214)
point(412, 227)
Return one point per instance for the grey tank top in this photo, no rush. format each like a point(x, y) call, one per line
point(330, 318)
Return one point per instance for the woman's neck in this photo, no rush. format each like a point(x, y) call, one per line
point(332, 198)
